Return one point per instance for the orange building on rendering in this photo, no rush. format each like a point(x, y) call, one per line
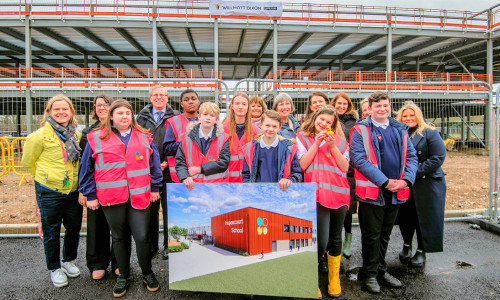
point(252, 230)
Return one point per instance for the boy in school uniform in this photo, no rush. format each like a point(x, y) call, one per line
point(203, 154)
point(270, 157)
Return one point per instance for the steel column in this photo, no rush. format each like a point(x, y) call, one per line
point(155, 45)
point(275, 48)
point(27, 54)
point(388, 61)
point(216, 57)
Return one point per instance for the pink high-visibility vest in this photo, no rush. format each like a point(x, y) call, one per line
point(179, 124)
point(236, 163)
point(122, 173)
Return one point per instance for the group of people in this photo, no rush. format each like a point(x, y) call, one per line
point(119, 167)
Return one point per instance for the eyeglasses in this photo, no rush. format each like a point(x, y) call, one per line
point(158, 95)
point(102, 105)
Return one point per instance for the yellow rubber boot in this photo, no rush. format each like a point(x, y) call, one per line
point(319, 294)
point(334, 289)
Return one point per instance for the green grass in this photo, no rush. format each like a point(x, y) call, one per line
point(290, 276)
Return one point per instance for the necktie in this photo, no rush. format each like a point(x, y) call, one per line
point(158, 116)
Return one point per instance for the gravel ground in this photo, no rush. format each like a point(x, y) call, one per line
point(23, 274)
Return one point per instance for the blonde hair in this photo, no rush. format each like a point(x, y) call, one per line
point(419, 116)
point(259, 101)
point(231, 119)
point(210, 107)
point(107, 124)
point(48, 108)
point(350, 107)
point(310, 128)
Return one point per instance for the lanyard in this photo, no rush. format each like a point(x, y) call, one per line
point(65, 154)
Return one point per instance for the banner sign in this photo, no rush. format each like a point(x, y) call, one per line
point(245, 8)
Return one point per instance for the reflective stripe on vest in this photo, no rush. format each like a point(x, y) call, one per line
point(236, 164)
point(366, 189)
point(120, 173)
point(333, 189)
point(191, 151)
point(178, 124)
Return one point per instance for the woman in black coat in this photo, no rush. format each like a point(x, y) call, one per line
point(424, 210)
point(348, 116)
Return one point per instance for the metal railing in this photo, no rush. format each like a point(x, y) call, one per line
point(357, 15)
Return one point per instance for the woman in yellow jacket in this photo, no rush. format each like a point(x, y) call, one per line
point(51, 155)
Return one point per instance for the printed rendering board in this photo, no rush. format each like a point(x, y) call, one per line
point(243, 238)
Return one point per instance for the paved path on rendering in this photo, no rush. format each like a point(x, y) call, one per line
point(201, 260)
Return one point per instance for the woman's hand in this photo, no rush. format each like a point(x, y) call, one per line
point(154, 196)
point(164, 165)
point(194, 171)
point(82, 200)
point(320, 137)
point(330, 140)
point(189, 183)
point(93, 204)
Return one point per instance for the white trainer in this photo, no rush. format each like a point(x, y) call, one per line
point(70, 269)
point(59, 279)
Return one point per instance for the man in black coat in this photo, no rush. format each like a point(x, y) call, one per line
point(154, 117)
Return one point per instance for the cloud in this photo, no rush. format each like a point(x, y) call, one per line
point(189, 209)
point(294, 194)
point(178, 199)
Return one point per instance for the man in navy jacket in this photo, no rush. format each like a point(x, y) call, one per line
point(379, 146)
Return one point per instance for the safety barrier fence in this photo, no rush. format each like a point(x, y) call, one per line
point(356, 79)
point(470, 165)
point(59, 77)
point(332, 14)
point(381, 80)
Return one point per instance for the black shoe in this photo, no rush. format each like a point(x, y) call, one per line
point(371, 285)
point(418, 260)
point(154, 251)
point(405, 254)
point(322, 265)
point(390, 281)
point(120, 287)
point(151, 283)
point(165, 253)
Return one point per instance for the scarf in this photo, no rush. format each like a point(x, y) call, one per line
point(68, 132)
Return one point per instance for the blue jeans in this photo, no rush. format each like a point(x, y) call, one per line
point(57, 208)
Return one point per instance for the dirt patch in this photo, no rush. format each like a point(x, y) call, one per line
point(467, 180)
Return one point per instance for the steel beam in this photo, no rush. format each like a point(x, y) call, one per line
point(130, 39)
point(28, 65)
point(242, 40)
point(86, 33)
point(59, 38)
point(328, 46)
point(388, 61)
point(155, 44)
point(12, 47)
point(297, 45)
point(275, 49)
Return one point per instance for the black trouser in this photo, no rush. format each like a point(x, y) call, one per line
point(155, 219)
point(123, 220)
point(98, 253)
point(376, 224)
point(57, 208)
point(330, 223)
point(409, 225)
point(353, 205)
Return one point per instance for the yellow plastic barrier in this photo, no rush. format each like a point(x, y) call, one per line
point(5, 156)
point(16, 147)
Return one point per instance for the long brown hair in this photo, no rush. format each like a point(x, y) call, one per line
point(231, 119)
point(108, 123)
point(351, 110)
point(309, 112)
point(309, 128)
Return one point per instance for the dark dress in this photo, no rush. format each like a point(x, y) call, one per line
point(428, 193)
point(348, 121)
point(99, 252)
